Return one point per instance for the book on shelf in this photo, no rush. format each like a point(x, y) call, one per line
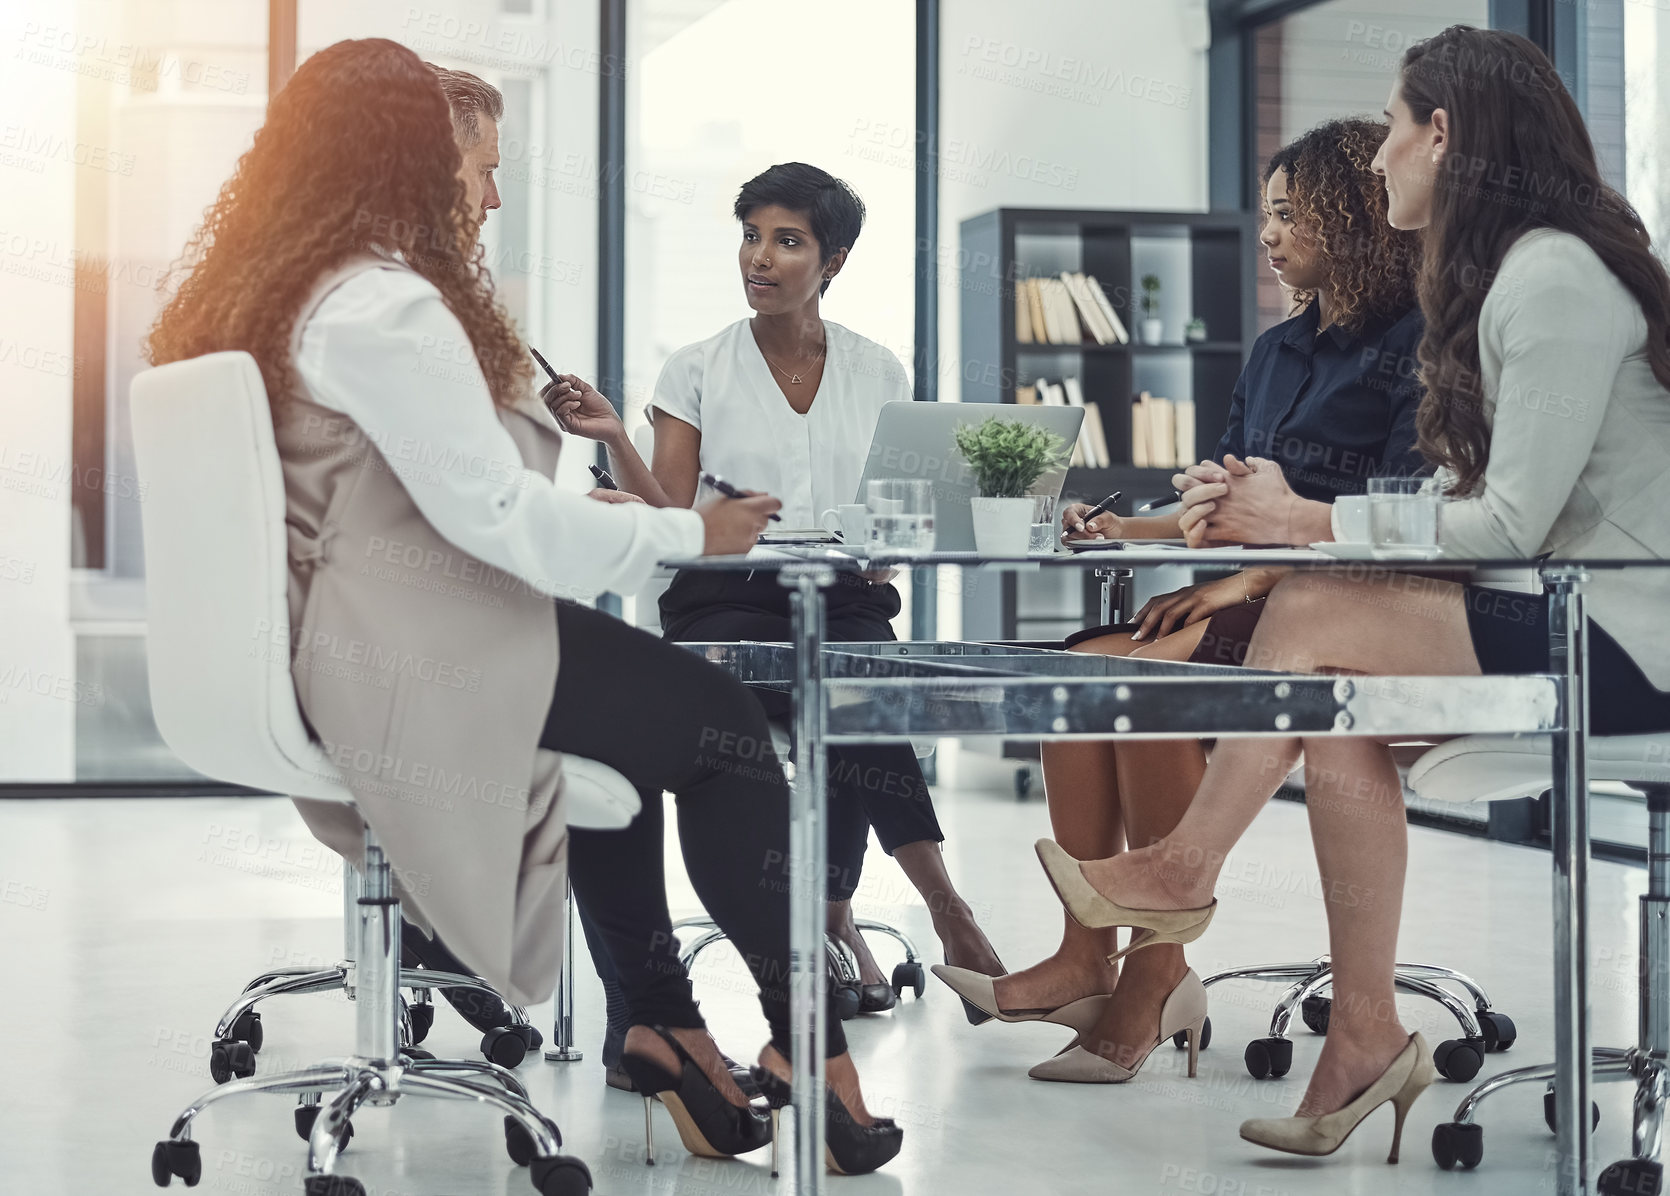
point(1067, 309)
point(1089, 313)
point(1023, 314)
point(1091, 447)
point(1026, 396)
point(1162, 432)
point(1035, 301)
point(1112, 317)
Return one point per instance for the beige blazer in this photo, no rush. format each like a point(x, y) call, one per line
point(1580, 437)
point(427, 675)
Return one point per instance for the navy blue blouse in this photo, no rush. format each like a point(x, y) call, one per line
point(1333, 409)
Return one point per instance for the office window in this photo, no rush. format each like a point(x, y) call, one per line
point(1645, 34)
point(1334, 59)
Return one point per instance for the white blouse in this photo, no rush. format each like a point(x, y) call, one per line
point(361, 355)
point(752, 438)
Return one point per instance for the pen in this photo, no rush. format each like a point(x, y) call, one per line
point(1156, 503)
point(603, 478)
point(730, 491)
point(1101, 508)
point(543, 364)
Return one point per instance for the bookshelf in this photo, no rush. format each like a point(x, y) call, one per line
point(1206, 263)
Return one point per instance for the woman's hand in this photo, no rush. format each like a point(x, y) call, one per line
point(1242, 502)
point(733, 525)
point(1170, 612)
point(580, 409)
point(879, 577)
point(603, 494)
point(1106, 526)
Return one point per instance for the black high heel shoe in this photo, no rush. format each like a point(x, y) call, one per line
point(708, 1124)
point(848, 1147)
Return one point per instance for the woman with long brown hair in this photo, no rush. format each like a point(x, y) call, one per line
point(424, 525)
point(1331, 393)
point(1547, 363)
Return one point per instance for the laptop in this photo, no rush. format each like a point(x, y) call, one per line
point(913, 441)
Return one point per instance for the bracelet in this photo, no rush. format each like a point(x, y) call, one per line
point(1246, 595)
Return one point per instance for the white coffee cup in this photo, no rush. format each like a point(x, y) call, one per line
point(850, 521)
point(1351, 518)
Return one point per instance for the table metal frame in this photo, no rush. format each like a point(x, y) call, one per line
point(864, 693)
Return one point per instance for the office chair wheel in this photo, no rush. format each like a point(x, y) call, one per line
point(847, 999)
point(229, 1058)
point(417, 1053)
point(1498, 1030)
point(1552, 1121)
point(519, 1144)
point(306, 1115)
point(170, 1159)
point(333, 1185)
point(423, 1020)
point(1631, 1177)
point(1315, 1011)
point(531, 1036)
point(1459, 1059)
point(1180, 1040)
point(248, 1029)
point(504, 1046)
point(909, 974)
point(1457, 1144)
point(1268, 1057)
point(562, 1175)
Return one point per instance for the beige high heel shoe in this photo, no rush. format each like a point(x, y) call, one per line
point(1090, 909)
point(979, 990)
point(1184, 1011)
point(1403, 1081)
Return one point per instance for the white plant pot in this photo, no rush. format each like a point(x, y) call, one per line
point(1002, 526)
point(1152, 329)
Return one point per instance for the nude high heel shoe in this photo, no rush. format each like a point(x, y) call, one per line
point(979, 992)
point(1090, 909)
point(1403, 1081)
point(1183, 1012)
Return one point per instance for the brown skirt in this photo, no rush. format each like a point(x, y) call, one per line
point(1226, 640)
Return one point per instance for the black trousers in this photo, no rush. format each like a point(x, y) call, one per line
point(879, 785)
point(669, 721)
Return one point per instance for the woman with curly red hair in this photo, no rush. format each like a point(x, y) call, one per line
point(1331, 393)
point(423, 524)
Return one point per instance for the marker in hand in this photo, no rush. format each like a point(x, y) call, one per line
point(729, 491)
point(1101, 508)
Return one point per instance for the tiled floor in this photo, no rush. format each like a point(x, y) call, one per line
point(130, 924)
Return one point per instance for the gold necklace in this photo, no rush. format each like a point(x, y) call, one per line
point(794, 379)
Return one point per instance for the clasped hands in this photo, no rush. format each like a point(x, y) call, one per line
point(1238, 502)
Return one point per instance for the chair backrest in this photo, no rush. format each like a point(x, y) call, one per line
point(1503, 767)
point(217, 577)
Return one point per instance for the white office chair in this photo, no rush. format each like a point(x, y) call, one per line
point(1502, 767)
point(216, 566)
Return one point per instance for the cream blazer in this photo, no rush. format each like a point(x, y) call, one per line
point(427, 674)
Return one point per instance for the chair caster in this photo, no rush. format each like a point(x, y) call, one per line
point(504, 1046)
point(1180, 1040)
point(1457, 1144)
point(333, 1185)
point(531, 1036)
point(562, 1175)
point(306, 1115)
point(248, 1029)
point(519, 1144)
point(847, 999)
point(1459, 1059)
point(1498, 1030)
point(1268, 1057)
point(910, 974)
point(229, 1058)
point(1552, 1121)
point(1315, 1011)
point(416, 1054)
point(170, 1159)
point(423, 1020)
point(1631, 1177)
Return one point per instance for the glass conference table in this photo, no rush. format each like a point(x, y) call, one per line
point(898, 691)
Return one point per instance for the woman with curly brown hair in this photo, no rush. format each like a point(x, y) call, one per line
point(1547, 363)
point(1330, 393)
point(424, 525)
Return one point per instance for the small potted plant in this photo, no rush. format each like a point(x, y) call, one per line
point(1195, 330)
point(1151, 324)
point(1007, 458)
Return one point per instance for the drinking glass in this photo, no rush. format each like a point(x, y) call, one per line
point(1400, 516)
point(1043, 523)
point(901, 515)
